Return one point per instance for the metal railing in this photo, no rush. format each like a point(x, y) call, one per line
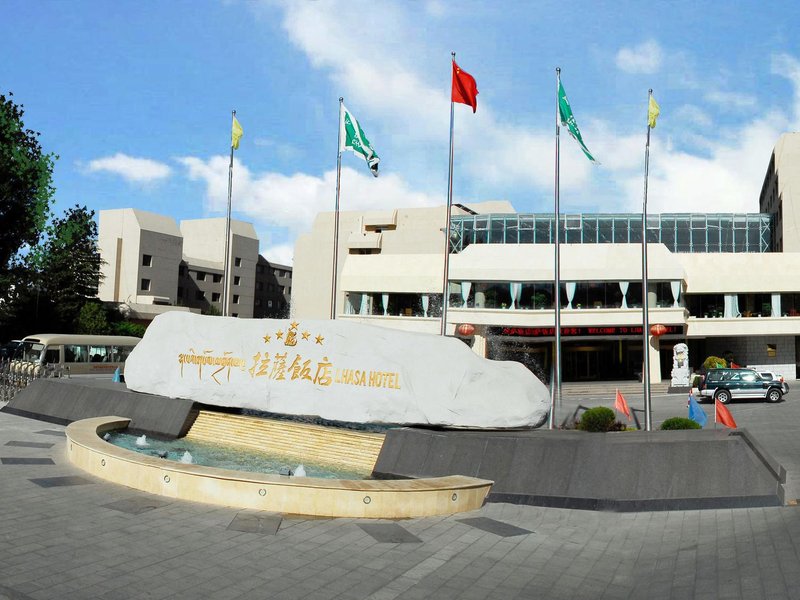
point(16, 376)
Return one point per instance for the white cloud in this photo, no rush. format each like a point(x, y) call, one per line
point(692, 115)
point(644, 58)
point(789, 67)
point(729, 100)
point(698, 163)
point(382, 85)
point(293, 201)
point(132, 169)
point(282, 254)
point(435, 8)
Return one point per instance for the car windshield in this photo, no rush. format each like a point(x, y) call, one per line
point(32, 351)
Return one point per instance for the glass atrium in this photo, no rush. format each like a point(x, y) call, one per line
point(679, 232)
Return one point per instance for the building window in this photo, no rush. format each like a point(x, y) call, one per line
point(289, 291)
point(147, 260)
point(180, 292)
point(236, 280)
point(200, 295)
point(217, 278)
point(215, 296)
point(201, 276)
point(145, 285)
point(181, 271)
point(269, 303)
point(259, 285)
point(237, 262)
point(259, 268)
point(236, 298)
point(258, 301)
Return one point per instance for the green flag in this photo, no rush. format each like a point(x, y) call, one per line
point(353, 138)
point(568, 119)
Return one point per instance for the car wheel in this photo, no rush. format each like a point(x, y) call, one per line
point(774, 395)
point(724, 396)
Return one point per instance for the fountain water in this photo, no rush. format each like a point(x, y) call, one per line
point(300, 471)
point(142, 441)
point(187, 458)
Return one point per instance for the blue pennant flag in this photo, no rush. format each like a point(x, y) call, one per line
point(696, 413)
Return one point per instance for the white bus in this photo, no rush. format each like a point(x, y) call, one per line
point(73, 354)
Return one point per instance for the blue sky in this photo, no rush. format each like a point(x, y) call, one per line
point(135, 98)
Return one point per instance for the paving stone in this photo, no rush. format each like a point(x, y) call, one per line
point(264, 523)
point(389, 533)
point(29, 444)
point(48, 482)
point(136, 505)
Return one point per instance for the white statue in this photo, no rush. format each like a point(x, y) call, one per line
point(680, 366)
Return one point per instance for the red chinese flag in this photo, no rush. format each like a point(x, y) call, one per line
point(724, 416)
point(622, 406)
point(465, 90)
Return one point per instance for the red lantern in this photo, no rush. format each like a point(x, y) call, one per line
point(658, 330)
point(465, 329)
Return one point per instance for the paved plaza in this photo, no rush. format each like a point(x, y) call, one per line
point(64, 534)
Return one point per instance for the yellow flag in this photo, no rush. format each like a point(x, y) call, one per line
point(236, 134)
point(653, 110)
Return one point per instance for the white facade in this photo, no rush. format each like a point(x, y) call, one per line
point(204, 252)
point(141, 252)
point(151, 264)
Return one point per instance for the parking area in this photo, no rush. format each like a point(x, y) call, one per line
point(64, 534)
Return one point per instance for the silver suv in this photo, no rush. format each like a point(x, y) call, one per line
point(727, 384)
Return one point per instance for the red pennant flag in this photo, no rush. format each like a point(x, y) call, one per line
point(723, 415)
point(622, 406)
point(465, 90)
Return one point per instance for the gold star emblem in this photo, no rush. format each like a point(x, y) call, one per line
point(266, 339)
point(306, 335)
point(279, 335)
point(294, 324)
point(319, 339)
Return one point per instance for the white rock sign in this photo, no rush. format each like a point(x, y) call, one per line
point(336, 370)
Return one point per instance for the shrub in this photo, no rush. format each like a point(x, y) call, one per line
point(597, 419)
point(680, 423)
point(129, 328)
point(715, 362)
point(696, 381)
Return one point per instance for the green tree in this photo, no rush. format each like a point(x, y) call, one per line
point(26, 188)
point(68, 265)
point(93, 319)
point(47, 287)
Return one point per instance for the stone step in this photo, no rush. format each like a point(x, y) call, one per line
point(300, 441)
point(603, 388)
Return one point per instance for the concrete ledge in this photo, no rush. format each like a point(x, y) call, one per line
point(374, 499)
point(622, 471)
point(63, 401)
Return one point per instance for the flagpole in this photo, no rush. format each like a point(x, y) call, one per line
point(648, 418)
point(446, 276)
point(227, 261)
point(555, 393)
point(336, 214)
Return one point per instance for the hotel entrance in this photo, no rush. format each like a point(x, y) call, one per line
point(587, 353)
point(601, 360)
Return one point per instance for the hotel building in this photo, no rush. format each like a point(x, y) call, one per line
point(725, 284)
point(151, 265)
